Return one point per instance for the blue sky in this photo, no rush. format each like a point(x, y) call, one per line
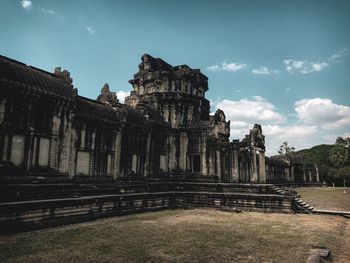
point(284, 64)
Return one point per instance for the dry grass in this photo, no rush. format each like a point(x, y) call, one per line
point(200, 235)
point(331, 198)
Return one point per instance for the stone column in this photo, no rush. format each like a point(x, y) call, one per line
point(218, 165)
point(310, 176)
point(117, 148)
point(166, 113)
point(72, 152)
point(172, 155)
point(183, 150)
point(317, 174)
point(65, 144)
point(304, 175)
point(262, 171)
point(211, 161)
point(254, 172)
point(286, 171)
point(56, 121)
point(292, 172)
point(235, 176)
point(148, 153)
point(204, 158)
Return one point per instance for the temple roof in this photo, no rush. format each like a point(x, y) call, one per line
point(272, 160)
point(31, 78)
point(92, 110)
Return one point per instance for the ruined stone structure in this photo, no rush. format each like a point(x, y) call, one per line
point(164, 129)
point(65, 158)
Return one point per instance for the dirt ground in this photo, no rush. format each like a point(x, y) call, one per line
point(200, 235)
point(329, 198)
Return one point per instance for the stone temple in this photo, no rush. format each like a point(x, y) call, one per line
point(163, 132)
point(163, 129)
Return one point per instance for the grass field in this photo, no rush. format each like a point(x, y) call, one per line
point(200, 235)
point(331, 198)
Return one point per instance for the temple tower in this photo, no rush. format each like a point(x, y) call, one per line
point(178, 93)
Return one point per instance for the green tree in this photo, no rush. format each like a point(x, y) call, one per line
point(286, 150)
point(339, 157)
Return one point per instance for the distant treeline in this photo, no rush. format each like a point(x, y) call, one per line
point(333, 161)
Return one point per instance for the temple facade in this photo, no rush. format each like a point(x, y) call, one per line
point(164, 129)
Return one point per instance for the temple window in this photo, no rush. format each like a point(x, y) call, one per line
point(195, 159)
point(82, 140)
point(83, 160)
point(134, 163)
point(17, 150)
point(44, 150)
point(163, 166)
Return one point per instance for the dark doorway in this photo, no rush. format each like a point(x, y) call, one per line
point(196, 168)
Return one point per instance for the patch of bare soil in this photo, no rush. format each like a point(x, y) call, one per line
point(343, 255)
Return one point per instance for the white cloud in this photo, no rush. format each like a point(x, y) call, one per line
point(318, 66)
point(213, 68)
point(264, 71)
point(323, 112)
point(295, 132)
point(121, 95)
point(303, 66)
point(318, 121)
point(47, 11)
point(255, 110)
point(244, 113)
point(298, 136)
point(338, 54)
point(233, 66)
point(90, 29)
point(26, 4)
point(230, 67)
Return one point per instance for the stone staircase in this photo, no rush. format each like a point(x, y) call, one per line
point(299, 205)
point(302, 206)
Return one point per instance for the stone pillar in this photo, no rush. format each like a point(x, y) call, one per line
point(148, 153)
point(5, 149)
point(72, 152)
point(183, 151)
point(172, 118)
point(262, 171)
point(65, 144)
point(172, 157)
point(31, 150)
point(304, 175)
point(235, 176)
point(56, 122)
point(211, 162)
point(254, 172)
point(204, 158)
point(117, 148)
point(286, 170)
point(317, 174)
point(310, 176)
point(82, 140)
point(292, 172)
point(218, 165)
point(166, 113)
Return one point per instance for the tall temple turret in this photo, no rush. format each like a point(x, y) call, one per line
point(178, 93)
